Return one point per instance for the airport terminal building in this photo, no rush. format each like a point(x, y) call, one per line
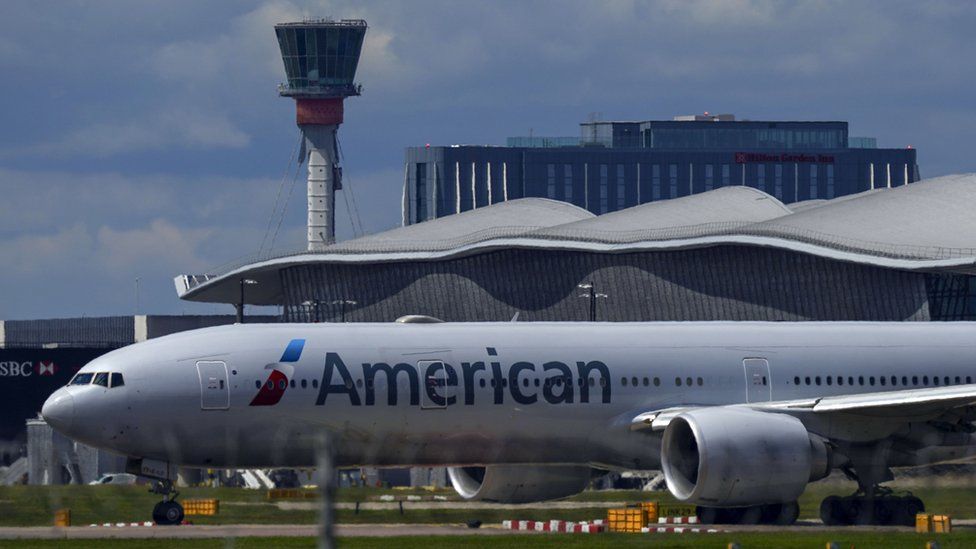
point(733, 253)
point(617, 165)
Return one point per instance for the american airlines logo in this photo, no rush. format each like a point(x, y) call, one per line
point(274, 387)
point(443, 384)
point(27, 369)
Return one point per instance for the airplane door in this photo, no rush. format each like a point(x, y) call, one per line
point(758, 382)
point(214, 391)
point(435, 390)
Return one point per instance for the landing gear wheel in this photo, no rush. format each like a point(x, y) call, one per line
point(167, 513)
point(788, 513)
point(831, 513)
point(884, 510)
point(707, 515)
point(751, 515)
point(904, 513)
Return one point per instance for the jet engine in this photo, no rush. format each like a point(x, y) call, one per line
point(728, 457)
point(519, 483)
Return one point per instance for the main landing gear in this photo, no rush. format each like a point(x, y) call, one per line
point(782, 514)
point(167, 512)
point(880, 507)
point(872, 503)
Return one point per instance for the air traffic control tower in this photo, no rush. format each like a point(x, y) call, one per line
point(320, 57)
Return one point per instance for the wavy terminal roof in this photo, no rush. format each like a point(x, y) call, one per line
point(923, 226)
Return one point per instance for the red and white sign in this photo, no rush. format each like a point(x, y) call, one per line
point(46, 368)
point(792, 158)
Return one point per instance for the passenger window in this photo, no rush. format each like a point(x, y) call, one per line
point(914, 380)
point(702, 381)
point(536, 382)
point(677, 381)
point(807, 380)
point(657, 382)
point(117, 380)
point(292, 383)
point(82, 379)
point(860, 380)
point(796, 380)
point(935, 380)
point(315, 384)
point(958, 380)
point(592, 382)
point(850, 380)
point(882, 380)
point(904, 380)
point(359, 383)
point(305, 383)
point(871, 380)
point(947, 382)
point(647, 382)
point(623, 381)
point(925, 380)
point(688, 381)
point(101, 378)
point(525, 382)
point(969, 379)
point(817, 380)
point(603, 382)
point(830, 380)
point(257, 383)
point(840, 380)
point(633, 381)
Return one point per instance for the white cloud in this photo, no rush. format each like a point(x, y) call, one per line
point(172, 129)
point(39, 201)
point(246, 51)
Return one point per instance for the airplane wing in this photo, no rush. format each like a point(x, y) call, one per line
point(909, 403)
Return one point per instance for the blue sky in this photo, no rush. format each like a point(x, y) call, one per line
point(146, 139)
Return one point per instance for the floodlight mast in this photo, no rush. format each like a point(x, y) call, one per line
point(320, 57)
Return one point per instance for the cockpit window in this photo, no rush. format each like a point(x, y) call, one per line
point(101, 378)
point(117, 380)
point(81, 379)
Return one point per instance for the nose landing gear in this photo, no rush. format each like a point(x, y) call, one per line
point(167, 512)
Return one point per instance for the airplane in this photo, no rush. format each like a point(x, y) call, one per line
point(739, 416)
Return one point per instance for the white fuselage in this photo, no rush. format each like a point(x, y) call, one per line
point(482, 393)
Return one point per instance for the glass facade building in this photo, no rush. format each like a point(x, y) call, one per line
point(618, 165)
point(321, 55)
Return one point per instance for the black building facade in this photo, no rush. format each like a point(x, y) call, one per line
point(617, 165)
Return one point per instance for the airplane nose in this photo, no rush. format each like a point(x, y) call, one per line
point(59, 410)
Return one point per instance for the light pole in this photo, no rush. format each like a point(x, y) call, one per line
point(342, 307)
point(592, 295)
point(240, 306)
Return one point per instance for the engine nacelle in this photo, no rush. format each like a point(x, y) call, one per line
point(727, 457)
point(519, 483)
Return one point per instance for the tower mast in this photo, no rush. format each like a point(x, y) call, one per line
point(320, 57)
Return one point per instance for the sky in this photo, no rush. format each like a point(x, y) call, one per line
point(142, 140)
